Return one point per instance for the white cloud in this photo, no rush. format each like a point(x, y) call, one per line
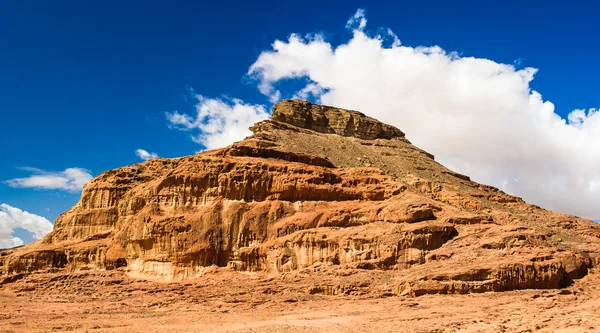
point(145, 155)
point(358, 21)
point(71, 179)
point(477, 116)
point(220, 121)
point(12, 218)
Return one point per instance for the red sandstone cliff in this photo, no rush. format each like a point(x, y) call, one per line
point(315, 186)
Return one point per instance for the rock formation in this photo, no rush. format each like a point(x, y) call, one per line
point(314, 188)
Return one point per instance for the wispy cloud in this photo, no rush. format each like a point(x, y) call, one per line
point(145, 155)
point(71, 179)
point(219, 121)
point(358, 21)
point(12, 218)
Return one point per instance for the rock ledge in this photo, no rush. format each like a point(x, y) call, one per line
point(332, 120)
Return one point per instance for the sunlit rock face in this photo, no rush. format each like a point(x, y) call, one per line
point(314, 185)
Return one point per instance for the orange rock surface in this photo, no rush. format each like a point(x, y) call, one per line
point(329, 198)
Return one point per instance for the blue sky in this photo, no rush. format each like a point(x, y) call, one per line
point(85, 84)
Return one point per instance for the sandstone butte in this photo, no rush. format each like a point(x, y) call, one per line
point(332, 200)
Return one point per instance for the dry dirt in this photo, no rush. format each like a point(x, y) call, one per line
point(236, 302)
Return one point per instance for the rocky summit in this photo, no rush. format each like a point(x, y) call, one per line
point(319, 201)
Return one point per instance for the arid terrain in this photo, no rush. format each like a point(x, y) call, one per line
point(323, 220)
point(230, 302)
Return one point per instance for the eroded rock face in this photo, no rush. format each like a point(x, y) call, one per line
point(315, 186)
point(327, 119)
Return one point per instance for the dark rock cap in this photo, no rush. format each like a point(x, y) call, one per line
point(332, 120)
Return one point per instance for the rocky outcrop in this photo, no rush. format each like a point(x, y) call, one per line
point(314, 186)
point(327, 119)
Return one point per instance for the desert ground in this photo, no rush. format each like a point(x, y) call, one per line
point(234, 302)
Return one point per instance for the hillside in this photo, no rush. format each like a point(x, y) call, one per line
point(318, 201)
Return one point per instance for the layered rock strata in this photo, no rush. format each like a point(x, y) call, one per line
point(314, 185)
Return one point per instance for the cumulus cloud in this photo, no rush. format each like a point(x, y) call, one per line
point(12, 218)
point(477, 116)
point(71, 179)
point(145, 155)
point(220, 122)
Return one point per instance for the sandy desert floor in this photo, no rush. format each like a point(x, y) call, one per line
point(111, 302)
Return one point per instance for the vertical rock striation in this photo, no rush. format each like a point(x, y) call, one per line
point(314, 186)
